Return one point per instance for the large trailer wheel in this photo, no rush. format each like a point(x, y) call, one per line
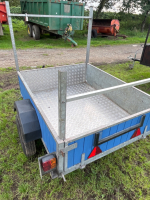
point(36, 32)
point(29, 148)
point(94, 33)
point(29, 29)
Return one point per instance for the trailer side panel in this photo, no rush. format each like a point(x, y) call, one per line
point(46, 134)
point(86, 144)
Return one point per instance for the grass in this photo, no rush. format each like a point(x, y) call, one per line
point(23, 41)
point(123, 72)
point(122, 175)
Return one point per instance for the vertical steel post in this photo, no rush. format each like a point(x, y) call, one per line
point(60, 158)
point(89, 36)
point(12, 34)
point(62, 92)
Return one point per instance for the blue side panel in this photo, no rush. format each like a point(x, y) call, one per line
point(134, 122)
point(46, 135)
point(124, 137)
point(86, 144)
point(70, 156)
point(105, 133)
point(110, 143)
point(77, 158)
point(146, 123)
point(118, 139)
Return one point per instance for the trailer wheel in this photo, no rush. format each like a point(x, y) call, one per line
point(29, 29)
point(29, 148)
point(94, 33)
point(36, 32)
point(58, 36)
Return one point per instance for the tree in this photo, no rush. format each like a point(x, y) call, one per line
point(130, 6)
point(14, 2)
point(101, 6)
point(145, 9)
point(105, 4)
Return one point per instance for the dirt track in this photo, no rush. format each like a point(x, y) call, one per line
point(58, 57)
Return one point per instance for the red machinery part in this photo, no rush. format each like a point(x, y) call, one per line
point(3, 13)
point(106, 26)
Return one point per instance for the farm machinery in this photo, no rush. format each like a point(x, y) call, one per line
point(3, 16)
point(106, 27)
point(61, 27)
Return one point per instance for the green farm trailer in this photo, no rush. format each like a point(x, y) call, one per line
point(64, 27)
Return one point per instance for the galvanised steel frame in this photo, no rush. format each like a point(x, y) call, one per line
point(61, 151)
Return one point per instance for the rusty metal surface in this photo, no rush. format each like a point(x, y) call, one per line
point(106, 26)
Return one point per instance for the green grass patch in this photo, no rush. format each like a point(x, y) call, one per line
point(23, 41)
point(123, 72)
point(122, 175)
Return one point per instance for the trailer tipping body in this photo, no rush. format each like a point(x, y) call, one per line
point(56, 26)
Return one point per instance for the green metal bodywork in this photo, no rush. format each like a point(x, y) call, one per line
point(54, 7)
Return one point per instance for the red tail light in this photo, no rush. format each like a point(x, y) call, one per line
point(136, 133)
point(48, 163)
point(95, 152)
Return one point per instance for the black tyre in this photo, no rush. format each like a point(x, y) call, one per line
point(29, 29)
point(29, 148)
point(36, 32)
point(58, 36)
point(94, 33)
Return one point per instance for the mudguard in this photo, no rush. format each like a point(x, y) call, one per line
point(28, 120)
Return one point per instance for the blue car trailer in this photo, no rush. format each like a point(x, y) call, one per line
point(80, 112)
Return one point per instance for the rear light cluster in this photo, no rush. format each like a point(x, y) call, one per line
point(48, 163)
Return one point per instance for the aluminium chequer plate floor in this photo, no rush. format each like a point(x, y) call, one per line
point(82, 115)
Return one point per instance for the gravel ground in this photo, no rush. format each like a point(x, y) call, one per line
point(58, 57)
